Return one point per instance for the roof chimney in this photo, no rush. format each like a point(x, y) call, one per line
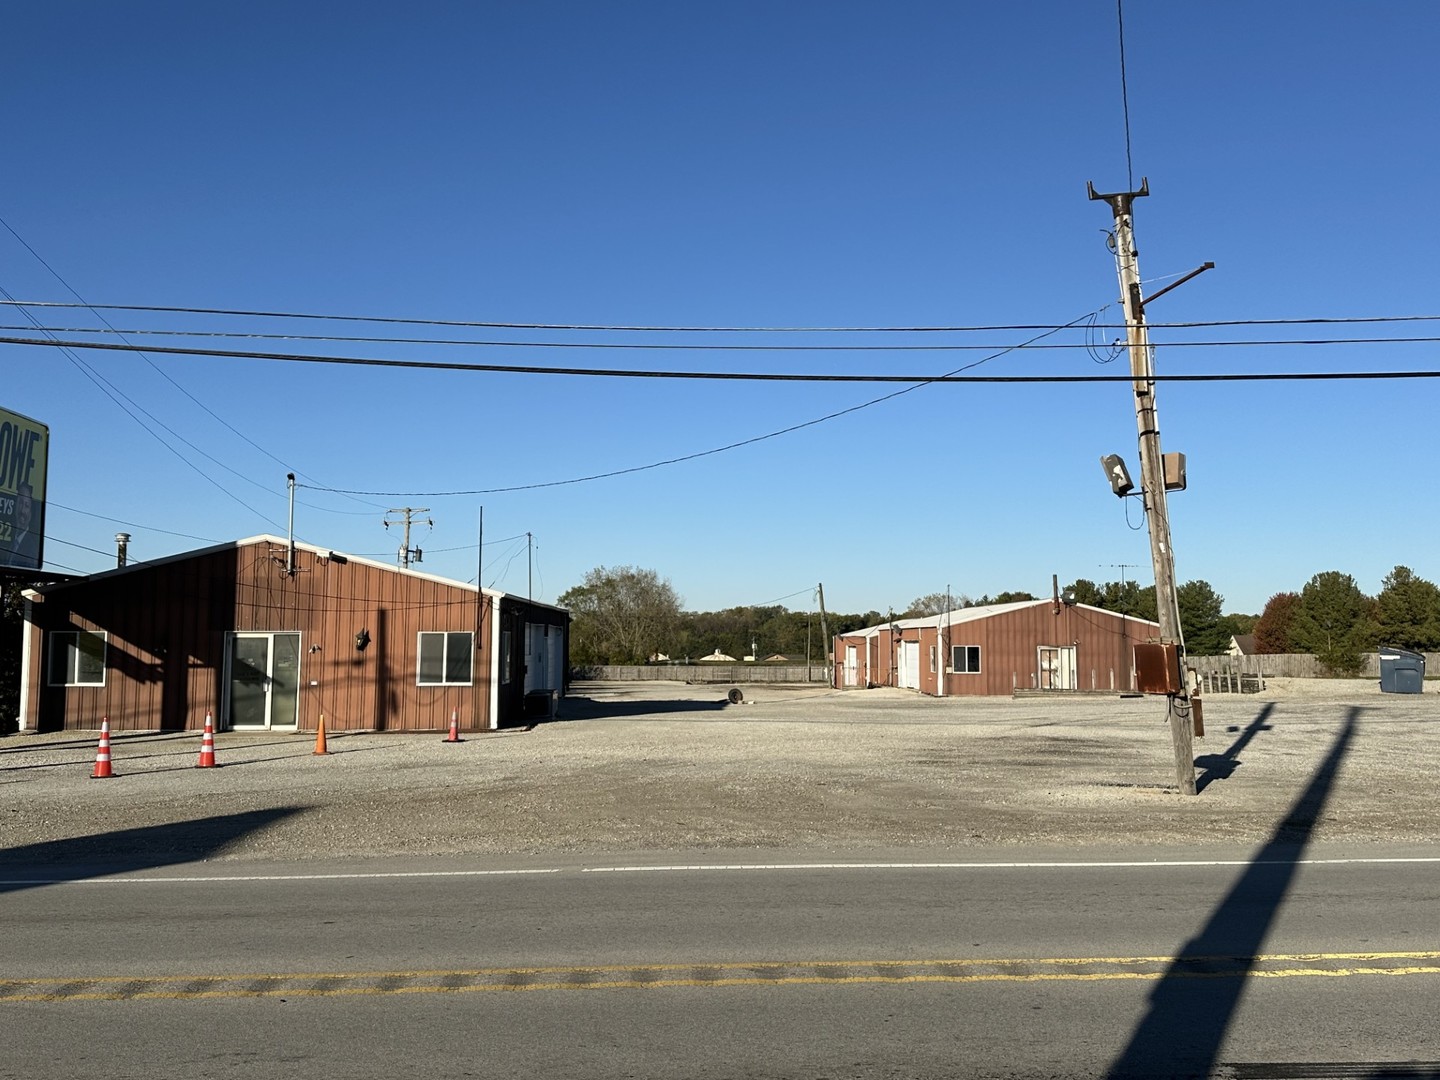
point(122, 545)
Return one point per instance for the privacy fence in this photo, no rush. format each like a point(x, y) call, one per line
point(1291, 665)
point(1217, 674)
point(705, 673)
point(1247, 674)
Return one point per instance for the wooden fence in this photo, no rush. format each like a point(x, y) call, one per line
point(706, 673)
point(1292, 665)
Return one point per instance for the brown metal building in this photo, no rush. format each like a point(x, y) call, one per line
point(1030, 645)
point(265, 634)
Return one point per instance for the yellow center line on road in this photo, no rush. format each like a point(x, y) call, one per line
point(669, 976)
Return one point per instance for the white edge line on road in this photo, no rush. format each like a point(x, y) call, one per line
point(707, 868)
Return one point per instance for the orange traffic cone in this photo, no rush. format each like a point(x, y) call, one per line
point(102, 752)
point(207, 745)
point(454, 735)
point(320, 736)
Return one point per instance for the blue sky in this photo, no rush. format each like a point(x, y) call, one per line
point(742, 164)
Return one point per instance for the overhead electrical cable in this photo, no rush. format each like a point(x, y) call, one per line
point(749, 376)
point(652, 346)
point(637, 328)
point(51, 503)
point(742, 442)
point(116, 395)
point(93, 310)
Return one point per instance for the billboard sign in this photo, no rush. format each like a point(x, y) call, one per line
point(24, 451)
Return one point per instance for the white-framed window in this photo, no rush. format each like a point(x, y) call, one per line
point(446, 658)
point(934, 653)
point(965, 659)
point(507, 667)
point(77, 658)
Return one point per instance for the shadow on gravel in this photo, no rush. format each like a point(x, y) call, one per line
point(83, 857)
point(1222, 766)
point(1195, 1001)
point(582, 708)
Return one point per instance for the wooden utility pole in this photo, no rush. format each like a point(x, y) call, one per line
point(825, 635)
point(407, 554)
point(1152, 472)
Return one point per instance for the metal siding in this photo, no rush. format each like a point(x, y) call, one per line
point(168, 628)
point(1008, 644)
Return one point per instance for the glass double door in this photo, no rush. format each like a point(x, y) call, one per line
point(264, 681)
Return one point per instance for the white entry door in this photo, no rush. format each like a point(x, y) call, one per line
point(262, 681)
point(542, 657)
point(909, 665)
point(1057, 667)
point(852, 666)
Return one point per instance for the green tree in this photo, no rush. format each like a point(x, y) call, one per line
point(936, 603)
point(621, 615)
point(1000, 598)
point(1408, 611)
point(1334, 620)
point(1273, 630)
point(1200, 607)
point(1128, 598)
point(1087, 592)
point(1234, 625)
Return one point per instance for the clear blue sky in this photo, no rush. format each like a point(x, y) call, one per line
point(812, 164)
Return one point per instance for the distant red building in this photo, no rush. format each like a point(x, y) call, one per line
point(976, 651)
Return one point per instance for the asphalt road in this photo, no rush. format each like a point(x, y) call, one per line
point(1125, 960)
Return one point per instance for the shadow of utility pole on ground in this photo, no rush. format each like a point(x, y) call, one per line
point(1221, 766)
point(81, 858)
point(1196, 999)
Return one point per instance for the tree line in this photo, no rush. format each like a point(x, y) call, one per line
point(630, 615)
point(1334, 619)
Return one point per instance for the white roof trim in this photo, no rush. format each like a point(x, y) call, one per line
point(268, 538)
point(988, 611)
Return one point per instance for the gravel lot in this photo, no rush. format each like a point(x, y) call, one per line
point(650, 767)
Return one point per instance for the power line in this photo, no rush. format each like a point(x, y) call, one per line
point(1088, 344)
point(1125, 95)
point(760, 376)
point(769, 435)
point(83, 303)
point(392, 320)
point(130, 524)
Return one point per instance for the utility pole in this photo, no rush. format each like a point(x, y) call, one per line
point(825, 635)
point(407, 554)
point(1122, 567)
point(1152, 468)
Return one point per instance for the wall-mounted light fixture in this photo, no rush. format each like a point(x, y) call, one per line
point(362, 639)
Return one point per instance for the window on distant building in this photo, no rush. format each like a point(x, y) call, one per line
point(965, 659)
point(77, 658)
point(446, 659)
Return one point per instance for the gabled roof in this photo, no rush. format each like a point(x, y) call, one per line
point(279, 541)
point(987, 611)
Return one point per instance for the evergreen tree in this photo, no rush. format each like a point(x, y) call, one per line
point(1200, 607)
point(1408, 611)
point(1335, 621)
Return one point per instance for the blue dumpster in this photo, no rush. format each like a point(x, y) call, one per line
point(1401, 671)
